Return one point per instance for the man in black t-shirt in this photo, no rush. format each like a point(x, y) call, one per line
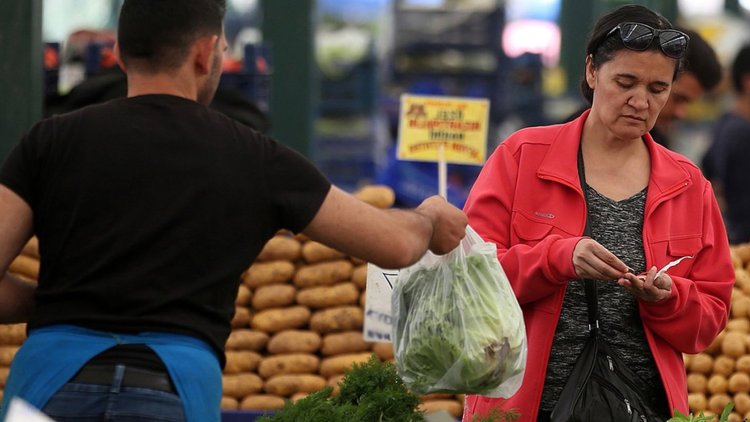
point(147, 209)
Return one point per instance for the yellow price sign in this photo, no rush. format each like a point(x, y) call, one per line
point(458, 124)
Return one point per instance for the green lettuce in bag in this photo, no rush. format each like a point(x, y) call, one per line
point(457, 326)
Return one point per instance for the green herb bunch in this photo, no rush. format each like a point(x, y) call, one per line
point(371, 391)
point(724, 417)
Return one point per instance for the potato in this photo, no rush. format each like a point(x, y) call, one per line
point(741, 325)
point(362, 299)
point(453, 407)
point(383, 350)
point(241, 317)
point(380, 196)
point(4, 372)
point(740, 307)
point(294, 341)
point(323, 273)
point(7, 353)
point(287, 384)
point(26, 266)
point(736, 260)
point(341, 364)
point(696, 383)
point(743, 364)
point(241, 361)
point(359, 276)
point(741, 403)
point(724, 365)
point(702, 363)
point(717, 402)
point(717, 384)
point(715, 347)
point(742, 280)
point(262, 402)
point(229, 403)
point(338, 319)
point(328, 296)
point(335, 382)
point(243, 296)
point(31, 248)
point(281, 247)
point(278, 319)
point(264, 273)
point(240, 385)
point(246, 339)
point(298, 396)
point(697, 402)
point(739, 383)
point(733, 344)
point(12, 334)
point(343, 343)
point(314, 252)
point(292, 363)
point(273, 296)
point(743, 252)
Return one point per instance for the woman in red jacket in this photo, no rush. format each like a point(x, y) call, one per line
point(645, 206)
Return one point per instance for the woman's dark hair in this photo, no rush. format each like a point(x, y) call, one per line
point(155, 35)
point(602, 48)
point(740, 67)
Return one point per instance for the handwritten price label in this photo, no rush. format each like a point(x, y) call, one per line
point(377, 324)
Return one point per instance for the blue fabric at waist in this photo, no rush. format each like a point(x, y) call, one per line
point(50, 357)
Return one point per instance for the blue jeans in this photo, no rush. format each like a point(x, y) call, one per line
point(113, 403)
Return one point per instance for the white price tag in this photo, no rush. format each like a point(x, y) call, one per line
point(380, 282)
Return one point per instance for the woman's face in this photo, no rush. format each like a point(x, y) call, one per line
point(630, 91)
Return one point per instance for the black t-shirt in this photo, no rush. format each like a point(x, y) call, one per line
point(149, 208)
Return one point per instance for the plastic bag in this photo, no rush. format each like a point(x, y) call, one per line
point(457, 326)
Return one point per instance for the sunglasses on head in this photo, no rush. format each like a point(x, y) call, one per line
point(638, 37)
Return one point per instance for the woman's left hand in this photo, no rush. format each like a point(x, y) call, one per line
point(647, 286)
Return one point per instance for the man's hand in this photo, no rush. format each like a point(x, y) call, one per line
point(448, 224)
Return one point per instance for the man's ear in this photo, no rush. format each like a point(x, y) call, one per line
point(203, 50)
point(118, 57)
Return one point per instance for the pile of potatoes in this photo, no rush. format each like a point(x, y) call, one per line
point(297, 326)
point(721, 374)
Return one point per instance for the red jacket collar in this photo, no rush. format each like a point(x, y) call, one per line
point(667, 173)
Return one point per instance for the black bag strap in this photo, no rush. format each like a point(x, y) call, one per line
point(591, 296)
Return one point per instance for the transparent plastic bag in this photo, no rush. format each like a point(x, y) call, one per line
point(457, 326)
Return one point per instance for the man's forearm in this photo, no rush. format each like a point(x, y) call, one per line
point(16, 299)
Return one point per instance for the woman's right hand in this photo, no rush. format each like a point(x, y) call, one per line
point(593, 261)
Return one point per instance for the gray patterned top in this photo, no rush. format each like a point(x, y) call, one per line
point(618, 226)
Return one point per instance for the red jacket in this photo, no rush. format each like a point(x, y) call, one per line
point(528, 200)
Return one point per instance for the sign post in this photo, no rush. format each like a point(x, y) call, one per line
point(437, 129)
point(443, 130)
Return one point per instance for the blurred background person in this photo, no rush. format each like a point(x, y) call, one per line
point(701, 74)
point(726, 162)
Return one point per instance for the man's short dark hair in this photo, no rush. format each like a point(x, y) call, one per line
point(155, 35)
point(701, 61)
point(740, 67)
